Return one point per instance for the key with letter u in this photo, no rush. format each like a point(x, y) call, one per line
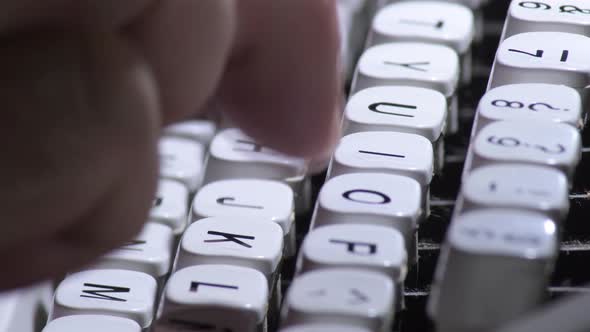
point(543, 57)
point(181, 160)
point(91, 323)
point(122, 293)
point(203, 297)
point(374, 199)
point(345, 296)
point(484, 249)
point(571, 16)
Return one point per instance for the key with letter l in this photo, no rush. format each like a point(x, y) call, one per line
point(571, 16)
point(345, 296)
point(203, 297)
point(543, 57)
point(91, 323)
point(526, 142)
point(122, 293)
point(435, 22)
point(372, 198)
point(484, 249)
point(249, 198)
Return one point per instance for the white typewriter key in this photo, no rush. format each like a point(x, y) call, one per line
point(484, 249)
point(436, 22)
point(365, 247)
point(374, 199)
point(543, 57)
point(535, 188)
point(21, 310)
point(531, 102)
point(249, 198)
point(150, 252)
point(121, 293)
point(91, 323)
point(170, 206)
point(345, 296)
point(527, 142)
point(423, 65)
point(548, 15)
point(404, 109)
point(323, 328)
point(235, 155)
point(386, 152)
point(181, 160)
point(214, 298)
point(400, 109)
point(200, 131)
point(257, 244)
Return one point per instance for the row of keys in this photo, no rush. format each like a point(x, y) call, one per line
point(352, 264)
point(524, 150)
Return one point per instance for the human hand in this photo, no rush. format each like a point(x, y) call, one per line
point(87, 84)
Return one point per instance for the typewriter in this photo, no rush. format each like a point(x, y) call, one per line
point(456, 199)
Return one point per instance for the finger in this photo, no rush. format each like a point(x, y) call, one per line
point(187, 43)
point(88, 14)
point(282, 85)
point(78, 131)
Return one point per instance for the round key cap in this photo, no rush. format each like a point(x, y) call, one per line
point(397, 108)
point(170, 205)
point(526, 102)
point(571, 16)
point(370, 247)
point(486, 248)
point(390, 152)
point(92, 323)
point(517, 186)
point(252, 243)
point(528, 143)
point(203, 297)
point(181, 160)
point(121, 293)
point(234, 155)
point(543, 57)
point(413, 64)
point(425, 21)
point(344, 296)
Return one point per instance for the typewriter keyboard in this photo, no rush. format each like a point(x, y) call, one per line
point(455, 201)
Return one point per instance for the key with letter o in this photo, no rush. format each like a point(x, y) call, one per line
point(532, 101)
point(91, 323)
point(484, 249)
point(543, 57)
point(345, 296)
point(571, 16)
point(517, 186)
point(372, 198)
point(402, 109)
point(204, 297)
point(523, 142)
point(122, 293)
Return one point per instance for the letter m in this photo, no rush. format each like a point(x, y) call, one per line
point(100, 292)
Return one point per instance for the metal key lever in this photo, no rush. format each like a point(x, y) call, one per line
point(567, 315)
